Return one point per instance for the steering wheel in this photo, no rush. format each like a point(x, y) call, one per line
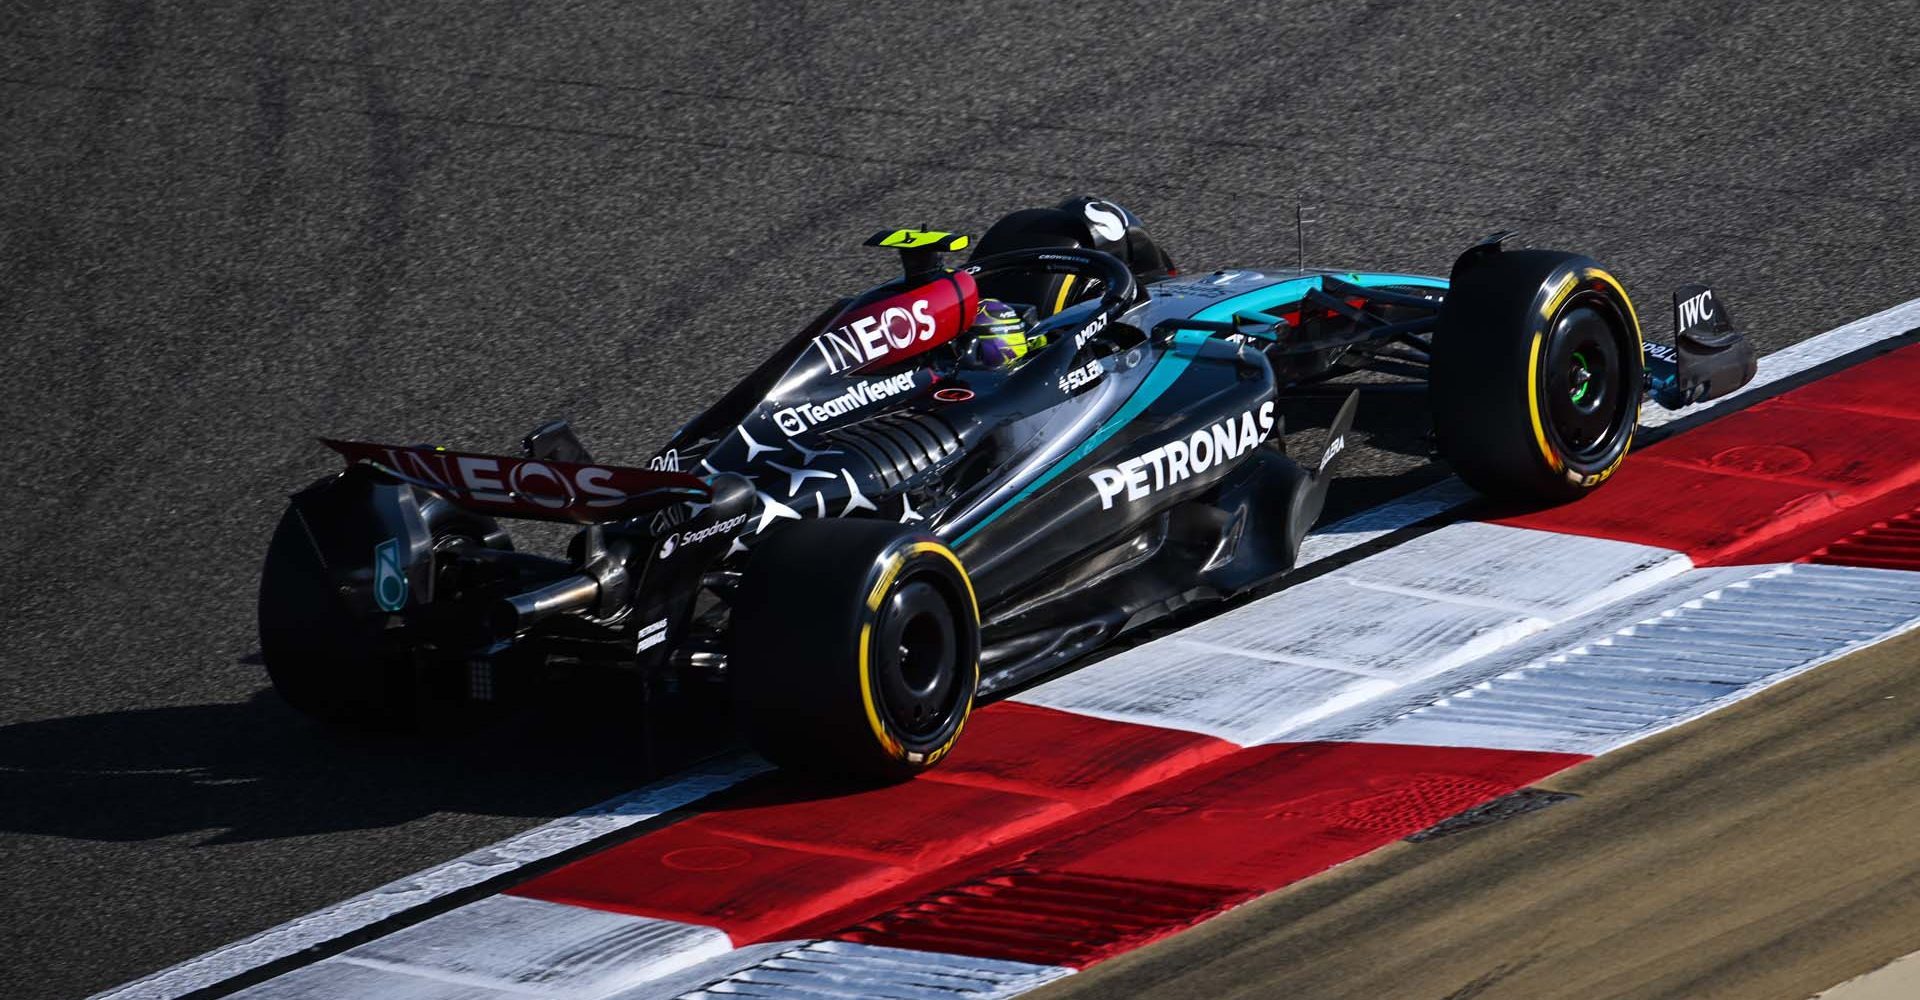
point(1118, 293)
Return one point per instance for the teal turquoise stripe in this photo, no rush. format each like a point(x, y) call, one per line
point(1165, 372)
point(1174, 363)
point(1288, 292)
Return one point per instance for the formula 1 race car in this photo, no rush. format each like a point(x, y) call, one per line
point(898, 513)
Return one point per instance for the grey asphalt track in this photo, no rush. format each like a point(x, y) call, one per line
point(228, 227)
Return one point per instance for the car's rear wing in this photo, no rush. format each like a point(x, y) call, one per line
point(537, 488)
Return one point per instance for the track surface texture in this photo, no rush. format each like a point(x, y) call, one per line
point(1766, 852)
point(228, 227)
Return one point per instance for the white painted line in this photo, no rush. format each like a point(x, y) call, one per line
point(1378, 522)
point(1360, 634)
point(1696, 645)
point(507, 945)
point(394, 898)
point(1896, 980)
point(824, 970)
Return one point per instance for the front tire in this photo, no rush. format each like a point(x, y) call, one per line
point(1536, 374)
point(856, 649)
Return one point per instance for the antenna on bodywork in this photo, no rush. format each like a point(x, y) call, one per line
point(1300, 221)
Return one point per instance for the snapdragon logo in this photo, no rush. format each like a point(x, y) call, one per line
point(795, 419)
point(702, 534)
point(1181, 459)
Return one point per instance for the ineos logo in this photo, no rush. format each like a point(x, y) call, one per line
point(557, 496)
point(899, 327)
point(534, 482)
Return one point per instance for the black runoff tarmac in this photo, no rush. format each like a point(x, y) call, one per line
point(226, 228)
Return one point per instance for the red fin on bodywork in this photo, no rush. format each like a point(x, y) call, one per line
point(881, 334)
point(530, 488)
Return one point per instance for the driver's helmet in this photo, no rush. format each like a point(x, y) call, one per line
point(998, 337)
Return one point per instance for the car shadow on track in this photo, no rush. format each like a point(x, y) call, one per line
point(258, 770)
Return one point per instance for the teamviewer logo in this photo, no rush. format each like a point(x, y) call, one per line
point(790, 421)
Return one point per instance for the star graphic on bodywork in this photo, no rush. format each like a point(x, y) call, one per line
point(772, 510)
point(755, 447)
point(907, 514)
point(807, 455)
point(795, 477)
point(856, 500)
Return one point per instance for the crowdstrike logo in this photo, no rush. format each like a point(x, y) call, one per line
point(872, 337)
point(1181, 459)
point(796, 419)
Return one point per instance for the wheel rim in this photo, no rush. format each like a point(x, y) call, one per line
point(1588, 402)
point(1582, 377)
point(917, 661)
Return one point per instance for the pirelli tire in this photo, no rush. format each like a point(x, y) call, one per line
point(1536, 374)
point(856, 649)
point(326, 659)
point(330, 651)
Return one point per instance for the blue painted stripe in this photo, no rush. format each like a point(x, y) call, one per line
point(1166, 371)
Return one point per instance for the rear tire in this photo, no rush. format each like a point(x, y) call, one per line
point(1536, 374)
point(324, 659)
point(856, 649)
